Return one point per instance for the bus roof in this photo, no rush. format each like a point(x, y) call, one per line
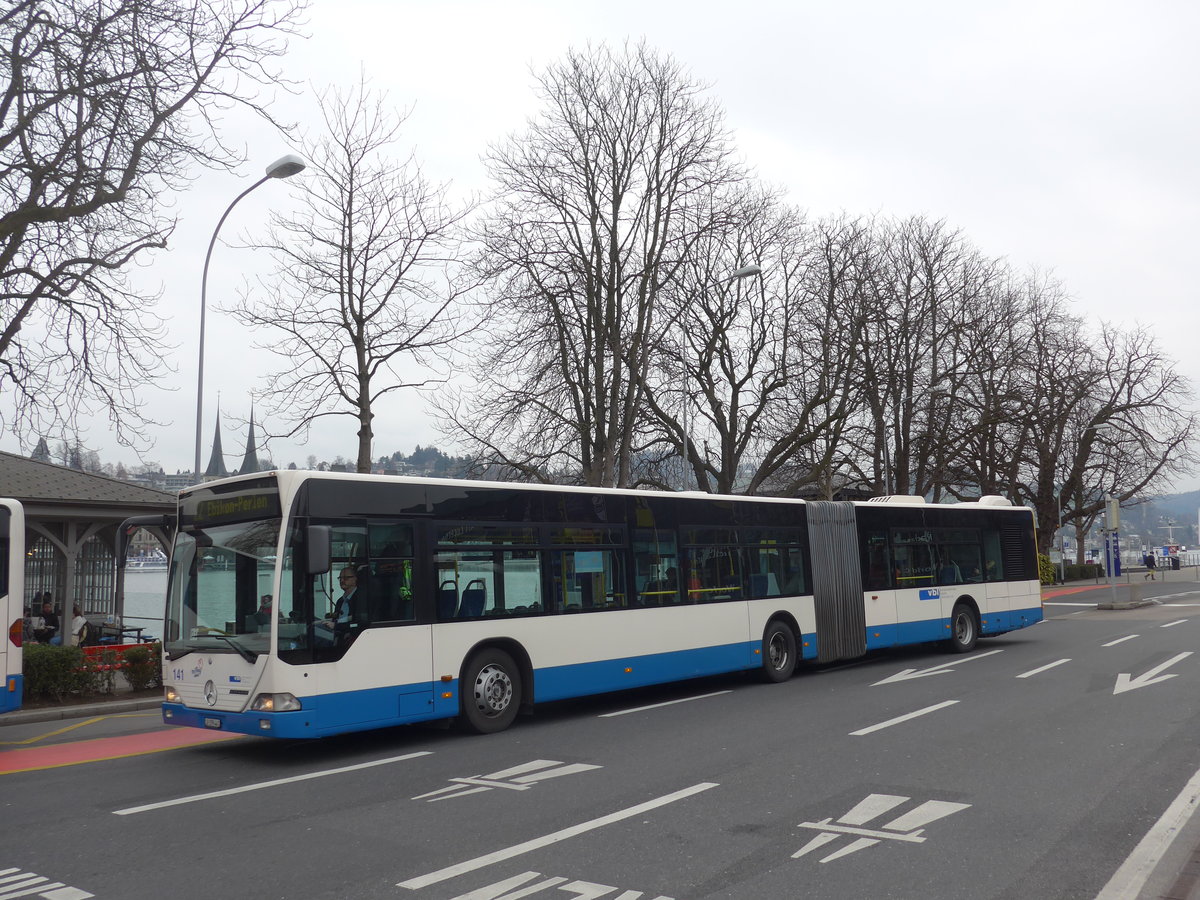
point(290, 479)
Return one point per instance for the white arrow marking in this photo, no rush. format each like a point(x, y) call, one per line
point(933, 670)
point(1127, 683)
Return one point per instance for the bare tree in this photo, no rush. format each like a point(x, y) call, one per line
point(367, 284)
point(596, 211)
point(104, 106)
point(767, 363)
point(911, 348)
point(813, 429)
point(1133, 433)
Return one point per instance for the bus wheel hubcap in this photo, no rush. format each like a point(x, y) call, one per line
point(493, 690)
point(778, 651)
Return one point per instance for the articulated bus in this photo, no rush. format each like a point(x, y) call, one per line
point(307, 604)
point(12, 600)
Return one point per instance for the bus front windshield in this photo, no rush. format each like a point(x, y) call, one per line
point(220, 594)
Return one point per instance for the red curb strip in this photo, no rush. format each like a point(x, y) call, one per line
point(29, 759)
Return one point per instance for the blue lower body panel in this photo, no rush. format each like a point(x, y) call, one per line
point(808, 646)
point(383, 707)
point(561, 682)
point(926, 630)
point(10, 695)
point(321, 715)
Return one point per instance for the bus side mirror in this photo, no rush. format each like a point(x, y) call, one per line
point(319, 544)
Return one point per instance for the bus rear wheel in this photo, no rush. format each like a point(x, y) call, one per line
point(490, 692)
point(964, 628)
point(778, 652)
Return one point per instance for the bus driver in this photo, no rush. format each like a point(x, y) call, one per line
point(325, 631)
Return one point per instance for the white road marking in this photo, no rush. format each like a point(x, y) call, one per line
point(14, 883)
point(1126, 683)
point(1128, 637)
point(1173, 624)
point(268, 784)
point(1041, 669)
point(625, 712)
point(896, 721)
point(1131, 877)
point(546, 840)
point(941, 669)
point(580, 890)
point(516, 778)
point(908, 827)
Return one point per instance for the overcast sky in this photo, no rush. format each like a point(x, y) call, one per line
point(1059, 135)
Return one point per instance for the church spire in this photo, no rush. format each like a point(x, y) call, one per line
point(216, 463)
point(250, 460)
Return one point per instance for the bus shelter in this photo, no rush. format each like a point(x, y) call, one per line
point(71, 523)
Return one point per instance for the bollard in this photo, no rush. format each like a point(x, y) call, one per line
point(1135, 593)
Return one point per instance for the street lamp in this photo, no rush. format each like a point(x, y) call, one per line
point(284, 167)
point(746, 271)
point(1062, 541)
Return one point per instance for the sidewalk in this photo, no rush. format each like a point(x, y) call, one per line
point(81, 710)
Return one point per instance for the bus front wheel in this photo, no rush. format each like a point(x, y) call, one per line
point(964, 628)
point(490, 692)
point(779, 652)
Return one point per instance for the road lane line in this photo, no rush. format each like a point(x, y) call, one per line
point(1041, 669)
point(66, 728)
point(1128, 637)
point(904, 718)
point(194, 798)
point(1131, 877)
point(1172, 624)
point(480, 862)
point(625, 712)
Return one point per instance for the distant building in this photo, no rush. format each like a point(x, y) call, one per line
point(250, 461)
point(216, 462)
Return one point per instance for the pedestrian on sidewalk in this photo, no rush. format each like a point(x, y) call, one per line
point(1149, 560)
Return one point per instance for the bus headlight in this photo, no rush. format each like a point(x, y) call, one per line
point(170, 694)
point(275, 703)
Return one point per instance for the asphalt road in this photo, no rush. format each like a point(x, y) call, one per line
point(1030, 768)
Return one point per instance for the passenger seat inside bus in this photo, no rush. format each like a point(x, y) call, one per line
point(447, 599)
point(473, 599)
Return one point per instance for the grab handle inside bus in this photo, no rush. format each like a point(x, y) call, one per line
point(320, 547)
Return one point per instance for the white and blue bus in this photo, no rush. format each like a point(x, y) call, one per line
point(12, 600)
point(473, 600)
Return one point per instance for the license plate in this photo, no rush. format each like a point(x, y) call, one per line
point(212, 722)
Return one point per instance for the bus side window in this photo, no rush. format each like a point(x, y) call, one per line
point(391, 590)
point(715, 573)
point(913, 565)
point(656, 566)
point(993, 559)
point(875, 551)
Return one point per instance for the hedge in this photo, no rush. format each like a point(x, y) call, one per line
point(57, 673)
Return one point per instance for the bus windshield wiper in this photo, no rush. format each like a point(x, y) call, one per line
point(248, 655)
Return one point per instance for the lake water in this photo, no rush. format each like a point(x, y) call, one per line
point(145, 599)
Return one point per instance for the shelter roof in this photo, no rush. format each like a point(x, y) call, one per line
point(45, 484)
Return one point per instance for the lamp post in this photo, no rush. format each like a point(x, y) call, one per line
point(1062, 543)
point(284, 167)
point(746, 271)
